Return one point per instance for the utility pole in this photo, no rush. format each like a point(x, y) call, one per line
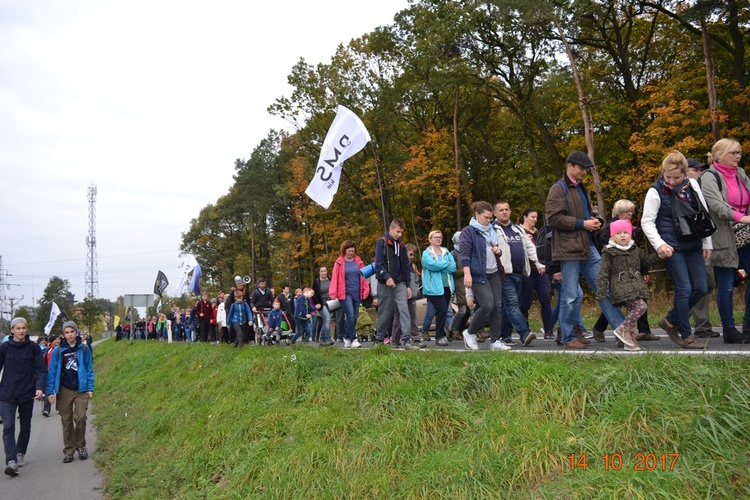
point(92, 273)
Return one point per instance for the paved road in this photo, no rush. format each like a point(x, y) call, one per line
point(715, 346)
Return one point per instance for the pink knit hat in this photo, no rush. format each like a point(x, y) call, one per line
point(620, 225)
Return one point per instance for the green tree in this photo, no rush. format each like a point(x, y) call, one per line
point(57, 291)
point(91, 312)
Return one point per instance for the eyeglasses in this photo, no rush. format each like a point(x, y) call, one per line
point(735, 153)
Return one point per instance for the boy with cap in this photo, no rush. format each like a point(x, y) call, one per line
point(71, 375)
point(23, 381)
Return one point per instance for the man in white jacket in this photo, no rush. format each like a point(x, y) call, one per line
point(517, 250)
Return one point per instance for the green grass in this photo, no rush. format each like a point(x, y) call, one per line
point(206, 421)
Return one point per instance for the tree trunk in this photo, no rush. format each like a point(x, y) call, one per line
point(715, 125)
point(457, 161)
point(585, 105)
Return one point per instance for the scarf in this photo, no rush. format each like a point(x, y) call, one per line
point(489, 233)
point(612, 244)
point(683, 191)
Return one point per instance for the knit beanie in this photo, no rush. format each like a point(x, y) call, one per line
point(16, 321)
point(620, 225)
point(70, 324)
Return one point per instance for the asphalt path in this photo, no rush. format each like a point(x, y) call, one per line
point(45, 476)
point(714, 346)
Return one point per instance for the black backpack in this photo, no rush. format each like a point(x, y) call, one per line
point(544, 235)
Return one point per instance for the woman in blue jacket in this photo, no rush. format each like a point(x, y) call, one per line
point(71, 375)
point(437, 281)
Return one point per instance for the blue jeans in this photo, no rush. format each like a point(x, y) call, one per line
point(555, 313)
point(440, 304)
point(351, 311)
point(571, 297)
point(725, 288)
point(8, 413)
point(510, 313)
point(303, 327)
point(688, 273)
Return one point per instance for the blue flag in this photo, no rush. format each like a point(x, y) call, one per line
point(195, 282)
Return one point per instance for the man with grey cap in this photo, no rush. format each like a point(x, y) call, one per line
point(23, 370)
point(71, 377)
point(574, 223)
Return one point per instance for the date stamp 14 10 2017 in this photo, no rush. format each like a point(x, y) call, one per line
point(636, 462)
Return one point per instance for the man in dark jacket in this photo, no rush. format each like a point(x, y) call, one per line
point(393, 273)
point(23, 370)
point(574, 223)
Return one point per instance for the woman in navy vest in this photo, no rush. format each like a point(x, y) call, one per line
point(684, 259)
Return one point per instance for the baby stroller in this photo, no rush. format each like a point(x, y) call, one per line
point(364, 327)
point(260, 325)
point(285, 331)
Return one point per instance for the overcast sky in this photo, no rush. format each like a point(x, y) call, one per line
point(152, 102)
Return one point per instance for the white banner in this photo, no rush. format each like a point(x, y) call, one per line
point(187, 266)
point(54, 312)
point(346, 137)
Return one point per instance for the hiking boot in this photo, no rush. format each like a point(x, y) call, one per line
point(442, 342)
point(529, 338)
point(483, 334)
point(426, 337)
point(83, 453)
point(20, 459)
point(410, 346)
point(624, 335)
point(579, 335)
point(692, 343)
point(734, 336)
point(704, 334)
point(672, 331)
point(470, 341)
point(67, 459)
point(598, 336)
point(574, 344)
point(648, 336)
point(499, 345)
point(11, 469)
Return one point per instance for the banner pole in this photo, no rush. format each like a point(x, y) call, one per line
point(380, 187)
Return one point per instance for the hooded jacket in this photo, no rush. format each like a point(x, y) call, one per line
point(391, 260)
point(85, 367)
point(23, 370)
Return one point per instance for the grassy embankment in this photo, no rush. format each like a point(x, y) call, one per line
point(206, 421)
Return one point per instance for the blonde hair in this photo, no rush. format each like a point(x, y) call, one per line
point(674, 161)
point(720, 148)
point(434, 232)
point(621, 206)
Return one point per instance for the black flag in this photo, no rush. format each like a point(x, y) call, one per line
point(161, 283)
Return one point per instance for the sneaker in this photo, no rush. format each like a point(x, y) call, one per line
point(410, 346)
point(470, 341)
point(499, 345)
point(633, 348)
point(509, 341)
point(83, 453)
point(624, 336)
point(574, 344)
point(356, 344)
point(648, 336)
point(45, 413)
point(387, 340)
point(548, 337)
point(67, 459)
point(672, 331)
point(395, 345)
point(426, 337)
point(422, 344)
point(20, 459)
point(692, 343)
point(443, 342)
point(347, 344)
point(11, 469)
point(529, 338)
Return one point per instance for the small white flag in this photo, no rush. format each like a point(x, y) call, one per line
point(54, 312)
point(346, 137)
point(187, 266)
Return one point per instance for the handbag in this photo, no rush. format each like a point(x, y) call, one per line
point(691, 224)
point(741, 234)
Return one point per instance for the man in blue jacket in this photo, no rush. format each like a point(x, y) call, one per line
point(71, 375)
point(23, 381)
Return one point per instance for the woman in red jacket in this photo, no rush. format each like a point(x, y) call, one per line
point(348, 285)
